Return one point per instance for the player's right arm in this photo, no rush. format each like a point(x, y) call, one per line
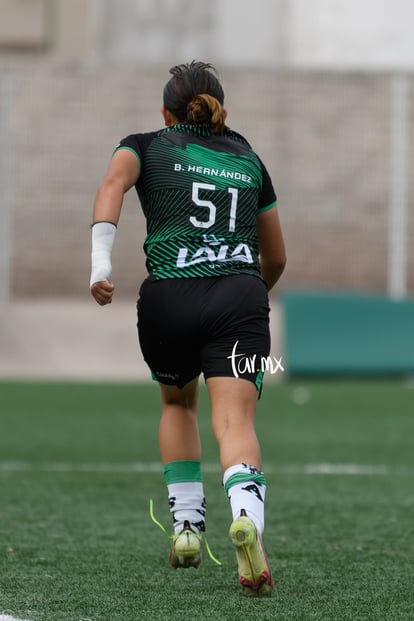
point(122, 174)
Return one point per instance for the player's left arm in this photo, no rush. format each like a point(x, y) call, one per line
point(122, 174)
point(272, 252)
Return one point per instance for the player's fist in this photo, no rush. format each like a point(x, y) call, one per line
point(102, 291)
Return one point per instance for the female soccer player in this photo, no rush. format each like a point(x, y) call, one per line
point(214, 248)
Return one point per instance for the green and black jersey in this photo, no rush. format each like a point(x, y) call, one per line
point(200, 194)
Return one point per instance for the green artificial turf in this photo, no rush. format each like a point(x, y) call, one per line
point(79, 463)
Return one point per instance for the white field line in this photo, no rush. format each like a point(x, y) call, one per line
point(156, 467)
point(8, 618)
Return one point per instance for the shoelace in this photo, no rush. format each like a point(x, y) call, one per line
point(164, 530)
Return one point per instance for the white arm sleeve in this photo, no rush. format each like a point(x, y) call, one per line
point(103, 238)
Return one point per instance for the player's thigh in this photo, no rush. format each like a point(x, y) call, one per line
point(186, 397)
point(237, 329)
point(167, 331)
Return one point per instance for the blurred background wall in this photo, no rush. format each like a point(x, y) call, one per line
point(322, 89)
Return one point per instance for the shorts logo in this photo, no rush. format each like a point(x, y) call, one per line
point(240, 253)
point(169, 376)
point(240, 363)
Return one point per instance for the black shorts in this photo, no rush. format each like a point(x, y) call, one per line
point(215, 326)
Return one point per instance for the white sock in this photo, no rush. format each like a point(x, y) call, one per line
point(245, 487)
point(187, 503)
point(186, 494)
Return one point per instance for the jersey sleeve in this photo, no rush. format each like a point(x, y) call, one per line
point(131, 143)
point(267, 197)
point(137, 143)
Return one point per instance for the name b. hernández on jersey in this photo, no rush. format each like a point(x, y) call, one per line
point(200, 194)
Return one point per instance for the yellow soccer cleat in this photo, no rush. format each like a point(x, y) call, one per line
point(186, 549)
point(255, 574)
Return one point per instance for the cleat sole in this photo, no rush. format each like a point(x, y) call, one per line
point(255, 575)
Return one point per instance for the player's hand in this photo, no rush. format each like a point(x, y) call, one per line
point(102, 292)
